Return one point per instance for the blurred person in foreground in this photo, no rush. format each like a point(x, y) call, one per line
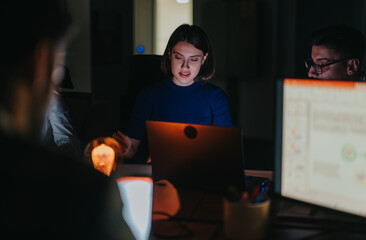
point(44, 195)
point(337, 54)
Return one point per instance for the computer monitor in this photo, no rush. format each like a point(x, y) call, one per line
point(137, 196)
point(320, 143)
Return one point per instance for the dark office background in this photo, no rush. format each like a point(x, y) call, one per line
point(254, 41)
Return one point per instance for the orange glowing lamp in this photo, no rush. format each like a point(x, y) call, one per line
point(104, 154)
point(103, 158)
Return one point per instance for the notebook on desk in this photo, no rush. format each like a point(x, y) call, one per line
point(320, 151)
point(196, 156)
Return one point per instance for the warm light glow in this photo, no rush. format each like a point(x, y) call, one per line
point(182, 1)
point(318, 83)
point(168, 15)
point(136, 194)
point(166, 200)
point(103, 158)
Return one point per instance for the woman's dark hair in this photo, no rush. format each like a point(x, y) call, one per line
point(347, 41)
point(198, 38)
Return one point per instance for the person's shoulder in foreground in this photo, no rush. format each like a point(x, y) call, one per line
point(45, 196)
point(49, 196)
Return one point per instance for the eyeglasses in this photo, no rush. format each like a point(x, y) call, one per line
point(318, 68)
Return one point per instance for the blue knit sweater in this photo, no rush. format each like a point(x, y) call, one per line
point(199, 103)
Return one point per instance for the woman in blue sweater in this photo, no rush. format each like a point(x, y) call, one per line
point(185, 95)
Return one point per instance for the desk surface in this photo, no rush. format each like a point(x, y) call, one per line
point(201, 214)
point(145, 169)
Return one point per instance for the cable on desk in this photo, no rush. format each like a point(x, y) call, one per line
point(170, 228)
point(216, 233)
point(207, 221)
point(315, 235)
point(197, 205)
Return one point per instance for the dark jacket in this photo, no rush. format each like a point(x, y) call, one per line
point(53, 197)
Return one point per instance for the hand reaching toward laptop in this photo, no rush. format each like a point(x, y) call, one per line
point(129, 145)
point(124, 140)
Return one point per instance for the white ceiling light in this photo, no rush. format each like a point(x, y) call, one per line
point(182, 1)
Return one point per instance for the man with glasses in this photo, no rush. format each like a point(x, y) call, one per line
point(337, 54)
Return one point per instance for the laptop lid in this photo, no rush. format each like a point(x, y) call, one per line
point(320, 150)
point(196, 156)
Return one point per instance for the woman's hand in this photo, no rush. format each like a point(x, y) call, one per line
point(124, 140)
point(129, 145)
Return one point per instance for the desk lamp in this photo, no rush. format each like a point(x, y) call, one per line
point(103, 153)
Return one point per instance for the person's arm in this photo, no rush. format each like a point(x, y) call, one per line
point(60, 122)
point(221, 109)
point(137, 128)
point(64, 136)
point(129, 145)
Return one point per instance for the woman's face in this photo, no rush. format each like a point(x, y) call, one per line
point(186, 62)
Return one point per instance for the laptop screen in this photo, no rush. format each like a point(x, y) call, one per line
point(196, 156)
point(320, 143)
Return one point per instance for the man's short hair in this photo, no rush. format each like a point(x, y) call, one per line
point(23, 24)
point(347, 41)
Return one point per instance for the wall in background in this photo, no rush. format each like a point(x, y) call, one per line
point(99, 62)
point(168, 15)
point(111, 45)
point(78, 57)
point(154, 22)
point(143, 25)
point(244, 38)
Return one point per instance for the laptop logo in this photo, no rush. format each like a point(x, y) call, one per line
point(190, 132)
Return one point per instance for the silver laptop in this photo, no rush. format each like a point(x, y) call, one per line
point(196, 156)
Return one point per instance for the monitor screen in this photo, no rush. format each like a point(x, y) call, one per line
point(137, 194)
point(320, 143)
